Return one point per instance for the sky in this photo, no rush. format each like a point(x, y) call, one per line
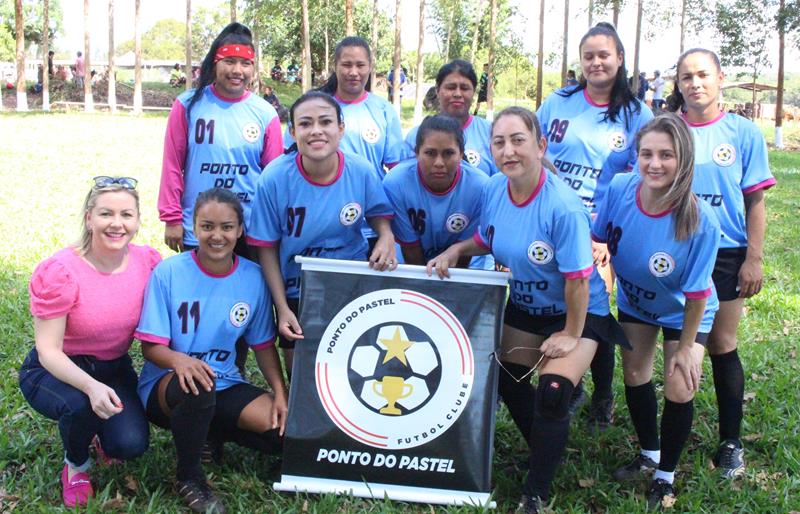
point(659, 54)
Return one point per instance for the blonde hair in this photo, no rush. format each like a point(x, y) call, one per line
point(680, 197)
point(84, 244)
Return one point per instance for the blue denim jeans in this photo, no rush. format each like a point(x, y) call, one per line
point(123, 436)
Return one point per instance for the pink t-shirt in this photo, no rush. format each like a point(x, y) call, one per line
point(80, 67)
point(102, 309)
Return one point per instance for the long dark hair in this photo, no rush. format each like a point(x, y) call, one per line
point(460, 66)
point(622, 98)
point(675, 101)
point(332, 83)
point(311, 95)
point(440, 123)
point(232, 34)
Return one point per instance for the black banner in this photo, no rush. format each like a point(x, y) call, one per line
point(393, 388)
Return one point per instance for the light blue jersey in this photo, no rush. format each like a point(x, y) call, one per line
point(730, 157)
point(201, 314)
point(477, 149)
point(311, 219)
point(655, 272)
point(432, 220)
point(544, 240)
point(586, 150)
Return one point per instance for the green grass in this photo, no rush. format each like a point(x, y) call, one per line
point(48, 162)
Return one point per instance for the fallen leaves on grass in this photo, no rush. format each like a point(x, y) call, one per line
point(749, 397)
point(131, 483)
point(586, 482)
point(749, 438)
point(767, 480)
point(305, 506)
point(115, 503)
point(667, 502)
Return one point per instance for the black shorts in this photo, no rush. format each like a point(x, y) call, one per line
point(670, 334)
point(726, 272)
point(481, 95)
point(602, 329)
point(229, 406)
point(294, 306)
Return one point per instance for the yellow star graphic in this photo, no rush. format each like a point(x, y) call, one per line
point(396, 347)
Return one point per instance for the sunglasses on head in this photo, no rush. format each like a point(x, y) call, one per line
point(104, 181)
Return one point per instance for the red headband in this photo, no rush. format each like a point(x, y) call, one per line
point(244, 51)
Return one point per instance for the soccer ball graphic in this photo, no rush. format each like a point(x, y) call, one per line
point(395, 373)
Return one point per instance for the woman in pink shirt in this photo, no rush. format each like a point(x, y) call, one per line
point(85, 301)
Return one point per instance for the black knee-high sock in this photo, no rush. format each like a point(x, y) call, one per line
point(643, 409)
point(519, 397)
point(268, 442)
point(603, 370)
point(729, 385)
point(549, 435)
point(189, 422)
point(676, 423)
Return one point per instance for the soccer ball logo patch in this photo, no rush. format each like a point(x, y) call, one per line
point(250, 132)
point(724, 154)
point(540, 252)
point(617, 141)
point(239, 314)
point(370, 132)
point(350, 213)
point(661, 264)
point(394, 369)
point(473, 157)
point(456, 223)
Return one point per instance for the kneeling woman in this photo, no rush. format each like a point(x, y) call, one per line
point(196, 306)
point(558, 306)
point(85, 302)
point(436, 197)
point(312, 202)
point(663, 251)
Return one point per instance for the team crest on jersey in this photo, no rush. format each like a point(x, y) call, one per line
point(239, 314)
point(456, 223)
point(540, 252)
point(350, 213)
point(250, 132)
point(370, 132)
point(661, 264)
point(394, 369)
point(473, 157)
point(617, 141)
point(724, 154)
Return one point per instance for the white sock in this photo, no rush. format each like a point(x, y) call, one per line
point(654, 455)
point(668, 476)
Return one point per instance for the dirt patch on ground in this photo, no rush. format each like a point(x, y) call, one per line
point(69, 92)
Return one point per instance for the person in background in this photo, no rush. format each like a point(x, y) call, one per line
point(657, 85)
point(571, 80)
point(80, 70)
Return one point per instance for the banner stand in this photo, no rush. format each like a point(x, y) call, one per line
point(376, 491)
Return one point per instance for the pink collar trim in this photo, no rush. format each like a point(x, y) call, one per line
point(592, 102)
point(357, 100)
point(215, 275)
point(539, 186)
point(641, 207)
point(445, 192)
point(467, 123)
point(226, 99)
point(299, 161)
point(702, 123)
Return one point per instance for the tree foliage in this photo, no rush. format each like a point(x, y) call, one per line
point(744, 44)
point(33, 18)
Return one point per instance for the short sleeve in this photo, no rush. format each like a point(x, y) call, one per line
point(401, 226)
point(410, 143)
point(53, 290)
point(394, 151)
point(153, 257)
point(481, 235)
point(601, 219)
point(265, 219)
point(543, 114)
point(755, 163)
point(260, 333)
point(696, 279)
point(572, 240)
point(155, 325)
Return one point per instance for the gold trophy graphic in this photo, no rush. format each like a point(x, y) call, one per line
point(392, 389)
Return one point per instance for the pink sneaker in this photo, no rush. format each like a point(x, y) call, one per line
point(101, 455)
point(75, 492)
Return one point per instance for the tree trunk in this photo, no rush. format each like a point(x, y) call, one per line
point(326, 37)
point(492, 47)
point(683, 24)
point(88, 99)
point(305, 79)
point(420, 72)
point(779, 99)
point(616, 14)
point(22, 95)
point(478, 17)
point(540, 56)
point(753, 104)
point(233, 11)
point(46, 55)
point(591, 12)
point(137, 51)
point(637, 45)
point(396, 59)
point(374, 43)
point(449, 32)
point(187, 67)
point(348, 18)
point(112, 81)
point(564, 44)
